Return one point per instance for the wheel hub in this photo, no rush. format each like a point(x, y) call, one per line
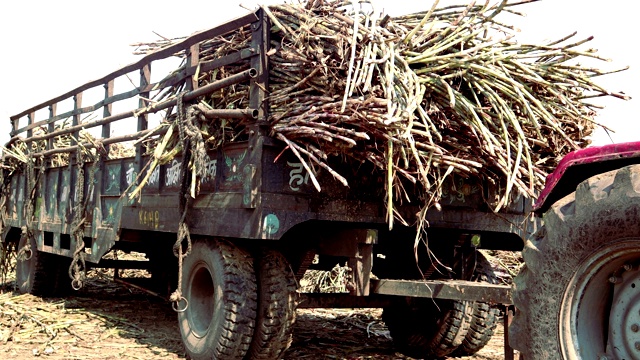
point(624, 320)
point(601, 306)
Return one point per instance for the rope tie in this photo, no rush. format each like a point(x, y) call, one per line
point(194, 157)
point(179, 302)
point(78, 269)
point(26, 252)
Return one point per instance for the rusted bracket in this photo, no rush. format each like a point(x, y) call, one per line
point(509, 353)
point(362, 263)
point(357, 245)
point(444, 289)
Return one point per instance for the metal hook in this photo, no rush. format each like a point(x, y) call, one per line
point(76, 284)
point(175, 305)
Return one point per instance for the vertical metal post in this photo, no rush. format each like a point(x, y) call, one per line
point(257, 100)
point(99, 176)
point(106, 111)
point(15, 123)
point(73, 170)
point(193, 57)
point(361, 263)
point(52, 126)
point(508, 317)
point(30, 120)
point(77, 105)
point(143, 120)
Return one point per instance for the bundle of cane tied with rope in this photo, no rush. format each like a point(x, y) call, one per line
point(422, 97)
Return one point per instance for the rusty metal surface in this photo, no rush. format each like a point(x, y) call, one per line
point(433, 289)
point(444, 289)
point(316, 300)
point(508, 317)
point(232, 113)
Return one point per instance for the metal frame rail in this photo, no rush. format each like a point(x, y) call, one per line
point(191, 46)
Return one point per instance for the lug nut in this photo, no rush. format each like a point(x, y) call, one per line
point(614, 279)
point(603, 357)
point(637, 345)
point(635, 327)
point(628, 267)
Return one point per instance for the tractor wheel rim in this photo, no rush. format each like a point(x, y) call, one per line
point(624, 329)
point(597, 306)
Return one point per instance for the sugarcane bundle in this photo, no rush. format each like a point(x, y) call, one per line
point(421, 97)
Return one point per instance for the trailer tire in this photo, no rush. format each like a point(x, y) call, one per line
point(37, 272)
point(427, 328)
point(219, 284)
point(484, 317)
point(580, 274)
point(277, 302)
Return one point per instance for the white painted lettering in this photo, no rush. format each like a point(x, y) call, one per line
point(154, 179)
point(173, 173)
point(211, 170)
point(131, 174)
point(296, 179)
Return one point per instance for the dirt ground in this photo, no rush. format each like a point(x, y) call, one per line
point(108, 320)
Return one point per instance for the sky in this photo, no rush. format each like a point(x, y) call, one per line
point(51, 47)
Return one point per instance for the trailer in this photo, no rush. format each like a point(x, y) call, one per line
point(230, 257)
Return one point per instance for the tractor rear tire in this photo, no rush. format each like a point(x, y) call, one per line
point(219, 283)
point(577, 296)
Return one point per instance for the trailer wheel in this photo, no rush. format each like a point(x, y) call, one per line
point(219, 283)
point(426, 328)
point(578, 296)
point(484, 318)
point(277, 302)
point(37, 272)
